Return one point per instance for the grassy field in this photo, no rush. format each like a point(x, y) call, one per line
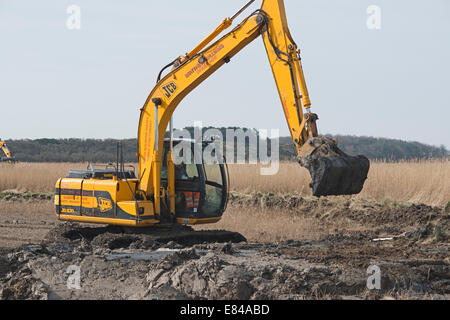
point(418, 182)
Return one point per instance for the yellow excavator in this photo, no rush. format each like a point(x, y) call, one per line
point(8, 157)
point(113, 195)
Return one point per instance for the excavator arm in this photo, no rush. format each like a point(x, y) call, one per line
point(8, 156)
point(191, 70)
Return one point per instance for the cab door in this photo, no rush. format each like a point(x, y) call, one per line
point(189, 188)
point(216, 190)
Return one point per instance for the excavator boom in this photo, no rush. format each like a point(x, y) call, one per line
point(188, 72)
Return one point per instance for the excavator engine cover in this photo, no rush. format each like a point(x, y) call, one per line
point(333, 172)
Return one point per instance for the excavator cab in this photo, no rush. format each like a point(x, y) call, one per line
point(201, 188)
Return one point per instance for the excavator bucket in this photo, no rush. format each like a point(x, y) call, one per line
point(333, 172)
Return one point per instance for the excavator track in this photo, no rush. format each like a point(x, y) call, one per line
point(114, 237)
point(333, 172)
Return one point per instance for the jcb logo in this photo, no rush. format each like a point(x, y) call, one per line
point(104, 204)
point(169, 89)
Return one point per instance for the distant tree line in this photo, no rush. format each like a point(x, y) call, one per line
point(71, 150)
point(96, 150)
point(389, 149)
point(377, 148)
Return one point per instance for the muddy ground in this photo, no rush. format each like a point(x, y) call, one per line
point(42, 258)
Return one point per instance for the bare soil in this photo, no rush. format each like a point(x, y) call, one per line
point(37, 253)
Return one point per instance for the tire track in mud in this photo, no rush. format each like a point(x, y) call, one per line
point(21, 240)
point(27, 226)
point(19, 232)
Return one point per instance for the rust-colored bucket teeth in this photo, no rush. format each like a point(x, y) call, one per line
point(332, 171)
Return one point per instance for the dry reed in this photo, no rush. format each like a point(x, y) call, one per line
point(409, 181)
point(36, 177)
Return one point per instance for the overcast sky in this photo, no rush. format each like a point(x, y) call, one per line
point(91, 83)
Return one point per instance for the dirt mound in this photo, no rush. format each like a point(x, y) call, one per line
point(6, 266)
point(235, 277)
point(388, 216)
point(17, 281)
point(393, 213)
point(12, 195)
point(22, 285)
point(277, 273)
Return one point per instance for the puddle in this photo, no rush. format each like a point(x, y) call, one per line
point(246, 251)
point(162, 253)
point(141, 256)
point(438, 250)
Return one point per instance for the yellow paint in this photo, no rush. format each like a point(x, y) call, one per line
point(119, 222)
point(171, 182)
point(130, 207)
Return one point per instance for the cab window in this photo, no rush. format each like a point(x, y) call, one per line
point(213, 173)
point(214, 190)
point(182, 171)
